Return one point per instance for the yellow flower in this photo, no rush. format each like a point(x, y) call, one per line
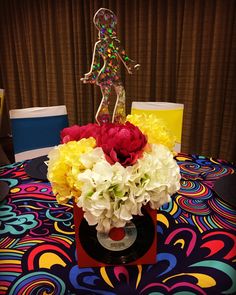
point(154, 128)
point(64, 166)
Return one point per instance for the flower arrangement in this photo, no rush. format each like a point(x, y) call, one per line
point(112, 170)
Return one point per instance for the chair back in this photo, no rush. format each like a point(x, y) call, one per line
point(36, 130)
point(1, 106)
point(170, 113)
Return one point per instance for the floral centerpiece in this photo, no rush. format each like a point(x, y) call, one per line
point(112, 170)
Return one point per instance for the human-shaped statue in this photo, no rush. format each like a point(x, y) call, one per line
point(105, 67)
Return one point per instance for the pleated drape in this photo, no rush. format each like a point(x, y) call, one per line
point(187, 52)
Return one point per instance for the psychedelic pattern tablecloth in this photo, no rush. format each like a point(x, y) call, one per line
point(196, 248)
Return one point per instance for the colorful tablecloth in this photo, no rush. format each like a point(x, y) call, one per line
point(196, 244)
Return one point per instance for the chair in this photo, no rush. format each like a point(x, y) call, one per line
point(1, 106)
point(170, 113)
point(36, 130)
point(3, 157)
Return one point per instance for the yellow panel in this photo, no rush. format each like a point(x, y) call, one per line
point(172, 118)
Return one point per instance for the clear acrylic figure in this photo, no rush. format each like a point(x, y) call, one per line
point(105, 67)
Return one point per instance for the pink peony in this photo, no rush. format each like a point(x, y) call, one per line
point(77, 132)
point(123, 143)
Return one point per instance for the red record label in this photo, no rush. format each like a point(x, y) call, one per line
point(130, 235)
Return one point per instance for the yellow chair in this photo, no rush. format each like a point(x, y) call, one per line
point(170, 113)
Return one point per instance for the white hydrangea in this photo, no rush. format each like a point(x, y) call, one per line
point(112, 194)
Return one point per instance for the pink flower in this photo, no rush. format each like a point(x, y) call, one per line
point(77, 132)
point(123, 143)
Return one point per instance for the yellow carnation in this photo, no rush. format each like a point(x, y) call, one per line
point(154, 128)
point(64, 166)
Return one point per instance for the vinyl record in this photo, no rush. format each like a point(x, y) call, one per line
point(36, 168)
point(139, 236)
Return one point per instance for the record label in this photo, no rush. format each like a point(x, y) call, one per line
point(130, 235)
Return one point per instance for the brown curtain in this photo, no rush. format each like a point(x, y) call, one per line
point(187, 52)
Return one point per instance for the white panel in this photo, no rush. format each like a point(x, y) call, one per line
point(32, 154)
point(38, 112)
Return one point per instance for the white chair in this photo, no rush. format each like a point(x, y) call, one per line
point(170, 113)
point(36, 130)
